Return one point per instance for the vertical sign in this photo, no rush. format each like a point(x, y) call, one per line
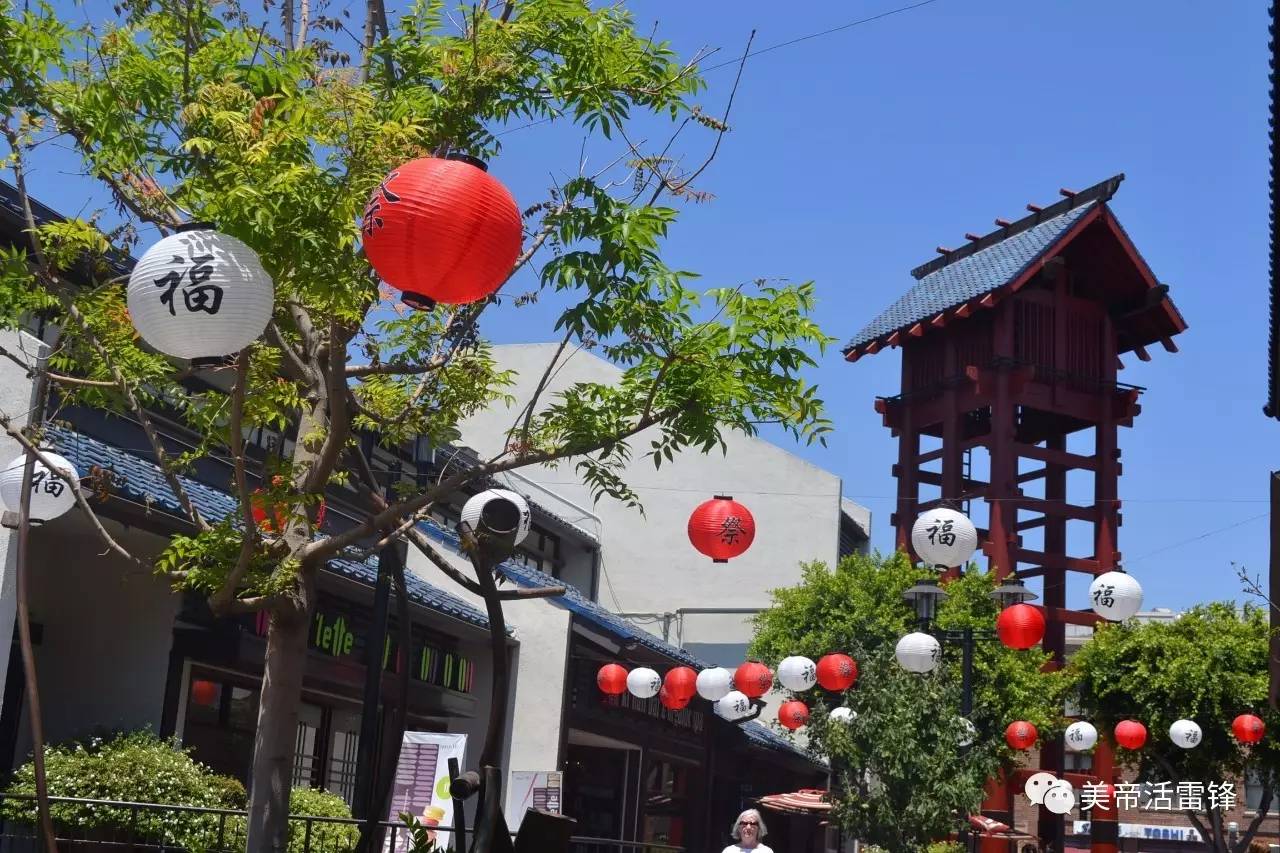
point(422, 781)
point(532, 789)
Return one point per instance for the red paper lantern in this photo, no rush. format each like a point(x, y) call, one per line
point(1020, 626)
point(793, 714)
point(837, 672)
point(1131, 734)
point(753, 679)
point(612, 679)
point(279, 516)
point(1248, 728)
point(681, 683)
point(204, 692)
point(671, 702)
point(442, 230)
point(1021, 735)
point(722, 528)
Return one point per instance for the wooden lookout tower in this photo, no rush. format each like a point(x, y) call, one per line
point(1011, 346)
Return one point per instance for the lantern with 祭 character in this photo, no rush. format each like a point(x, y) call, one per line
point(1021, 735)
point(722, 528)
point(837, 672)
point(199, 294)
point(681, 683)
point(793, 714)
point(442, 230)
point(672, 702)
point(1020, 626)
point(1248, 728)
point(1131, 734)
point(50, 494)
point(753, 679)
point(612, 679)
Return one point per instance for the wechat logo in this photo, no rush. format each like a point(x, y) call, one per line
point(1056, 795)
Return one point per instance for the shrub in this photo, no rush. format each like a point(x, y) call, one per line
point(136, 767)
point(945, 847)
point(324, 836)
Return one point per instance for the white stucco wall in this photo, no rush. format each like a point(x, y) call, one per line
point(16, 400)
point(107, 629)
point(650, 565)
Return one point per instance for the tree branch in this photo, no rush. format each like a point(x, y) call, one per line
point(394, 368)
point(74, 313)
point(325, 548)
point(338, 420)
point(240, 606)
point(537, 392)
point(7, 423)
point(226, 593)
point(1264, 807)
point(55, 377)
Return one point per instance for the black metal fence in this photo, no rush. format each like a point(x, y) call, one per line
point(99, 826)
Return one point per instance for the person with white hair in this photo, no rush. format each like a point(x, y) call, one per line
point(747, 831)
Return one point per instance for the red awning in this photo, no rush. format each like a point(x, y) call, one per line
point(811, 801)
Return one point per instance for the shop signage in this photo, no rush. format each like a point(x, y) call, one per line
point(1146, 830)
point(338, 630)
point(532, 789)
point(421, 786)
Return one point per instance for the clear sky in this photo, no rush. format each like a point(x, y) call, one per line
point(854, 154)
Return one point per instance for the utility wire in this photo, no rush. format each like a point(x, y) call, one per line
point(768, 49)
point(1197, 538)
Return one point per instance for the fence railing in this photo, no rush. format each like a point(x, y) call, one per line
point(98, 826)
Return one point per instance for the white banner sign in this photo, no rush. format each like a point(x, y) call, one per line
point(422, 781)
point(532, 789)
point(1154, 832)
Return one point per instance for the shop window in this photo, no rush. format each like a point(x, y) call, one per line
point(220, 722)
point(666, 802)
point(1253, 790)
point(343, 740)
point(306, 757)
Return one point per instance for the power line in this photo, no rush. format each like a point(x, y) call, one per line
point(1198, 538)
point(768, 49)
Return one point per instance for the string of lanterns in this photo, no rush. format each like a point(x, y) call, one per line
point(732, 693)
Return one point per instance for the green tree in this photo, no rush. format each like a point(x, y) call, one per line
point(1208, 665)
point(902, 778)
point(278, 133)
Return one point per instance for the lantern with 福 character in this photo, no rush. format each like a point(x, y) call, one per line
point(837, 672)
point(944, 538)
point(199, 294)
point(722, 528)
point(842, 715)
point(612, 679)
point(442, 230)
point(1115, 596)
point(1080, 736)
point(643, 683)
point(918, 652)
point(1185, 734)
point(734, 705)
point(797, 673)
point(51, 496)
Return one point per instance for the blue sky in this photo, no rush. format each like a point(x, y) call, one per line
point(853, 154)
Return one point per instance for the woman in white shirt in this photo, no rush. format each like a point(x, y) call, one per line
point(747, 831)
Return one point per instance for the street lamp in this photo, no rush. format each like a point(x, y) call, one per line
point(1013, 591)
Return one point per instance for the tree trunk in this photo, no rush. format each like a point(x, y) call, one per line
point(273, 746)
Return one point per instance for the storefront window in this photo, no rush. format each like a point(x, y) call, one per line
point(220, 722)
point(343, 740)
point(666, 802)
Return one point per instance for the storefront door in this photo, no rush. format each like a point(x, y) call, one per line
point(595, 781)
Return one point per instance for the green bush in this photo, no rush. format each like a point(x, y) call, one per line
point(324, 836)
point(141, 768)
point(945, 847)
point(136, 767)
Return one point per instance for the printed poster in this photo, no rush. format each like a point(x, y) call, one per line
point(422, 781)
point(532, 789)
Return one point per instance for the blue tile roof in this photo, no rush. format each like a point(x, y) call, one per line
point(969, 277)
point(762, 735)
point(142, 481)
point(574, 601)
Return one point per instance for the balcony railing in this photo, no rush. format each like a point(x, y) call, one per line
point(98, 826)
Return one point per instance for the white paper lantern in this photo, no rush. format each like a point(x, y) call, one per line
point(200, 294)
point(944, 537)
point(968, 734)
point(50, 494)
point(842, 715)
point(643, 682)
point(797, 673)
point(1185, 733)
point(714, 684)
point(1115, 596)
point(475, 504)
point(1080, 736)
point(733, 706)
point(918, 652)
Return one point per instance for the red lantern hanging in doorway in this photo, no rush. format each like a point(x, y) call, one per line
point(612, 679)
point(837, 672)
point(793, 714)
point(1020, 626)
point(1248, 728)
point(203, 692)
point(442, 230)
point(1131, 734)
point(1021, 735)
point(722, 528)
point(753, 679)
